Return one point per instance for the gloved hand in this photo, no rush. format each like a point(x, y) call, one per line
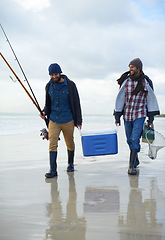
point(150, 122)
point(117, 120)
point(149, 125)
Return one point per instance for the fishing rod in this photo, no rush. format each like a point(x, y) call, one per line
point(44, 132)
point(21, 68)
point(20, 82)
point(34, 100)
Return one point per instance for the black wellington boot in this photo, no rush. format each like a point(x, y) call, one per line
point(53, 165)
point(137, 161)
point(132, 162)
point(70, 167)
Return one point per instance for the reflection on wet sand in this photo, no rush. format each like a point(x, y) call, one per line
point(101, 208)
point(141, 222)
point(103, 213)
point(70, 227)
point(101, 200)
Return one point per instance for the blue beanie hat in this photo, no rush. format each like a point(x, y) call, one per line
point(54, 68)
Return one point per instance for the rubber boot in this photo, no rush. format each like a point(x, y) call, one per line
point(132, 161)
point(53, 165)
point(137, 161)
point(70, 167)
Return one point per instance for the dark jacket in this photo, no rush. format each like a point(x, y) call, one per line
point(73, 98)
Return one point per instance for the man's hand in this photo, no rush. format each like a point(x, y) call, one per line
point(42, 115)
point(79, 126)
point(149, 125)
point(118, 124)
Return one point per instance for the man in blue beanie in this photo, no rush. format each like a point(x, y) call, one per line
point(135, 101)
point(63, 109)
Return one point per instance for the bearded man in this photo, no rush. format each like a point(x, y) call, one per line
point(135, 101)
point(62, 108)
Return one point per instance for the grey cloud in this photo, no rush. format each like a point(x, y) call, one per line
point(88, 38)
point(92, 40)
point(101, 12)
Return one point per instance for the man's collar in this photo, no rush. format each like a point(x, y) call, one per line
point(65, 82)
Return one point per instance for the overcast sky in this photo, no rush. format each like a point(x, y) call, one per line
point(92, 40)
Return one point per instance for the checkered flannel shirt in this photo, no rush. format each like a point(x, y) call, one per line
point(135, 106)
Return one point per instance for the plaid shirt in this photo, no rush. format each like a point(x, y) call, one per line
point(135, 106)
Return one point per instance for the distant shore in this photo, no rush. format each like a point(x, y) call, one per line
point(161, 115)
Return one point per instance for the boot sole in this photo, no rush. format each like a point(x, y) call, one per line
point(70, 170)
point(132, 172)
point(51, 176)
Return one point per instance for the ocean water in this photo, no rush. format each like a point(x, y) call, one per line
point(20, 124)
point(20, 140)
point(15, 124)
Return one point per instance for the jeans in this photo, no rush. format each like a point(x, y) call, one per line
point(133, 131)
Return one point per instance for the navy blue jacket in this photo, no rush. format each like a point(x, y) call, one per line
point(73, 98)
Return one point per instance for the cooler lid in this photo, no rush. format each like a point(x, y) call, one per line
point(98, 132)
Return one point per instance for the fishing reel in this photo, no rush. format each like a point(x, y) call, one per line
point(44, 134)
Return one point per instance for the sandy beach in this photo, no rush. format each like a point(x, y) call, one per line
point(98, 201)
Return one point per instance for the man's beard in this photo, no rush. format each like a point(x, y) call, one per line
point(134, 73)
point(56, 80)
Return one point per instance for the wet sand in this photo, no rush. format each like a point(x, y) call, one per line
point(98, 201)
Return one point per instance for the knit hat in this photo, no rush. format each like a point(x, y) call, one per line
point(54, 68)
point(137, 63)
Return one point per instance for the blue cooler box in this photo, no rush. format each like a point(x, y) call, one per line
point(100, 142)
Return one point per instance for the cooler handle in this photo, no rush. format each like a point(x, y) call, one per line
point(80, 131)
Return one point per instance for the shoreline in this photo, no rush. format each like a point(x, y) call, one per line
point(98, 200)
